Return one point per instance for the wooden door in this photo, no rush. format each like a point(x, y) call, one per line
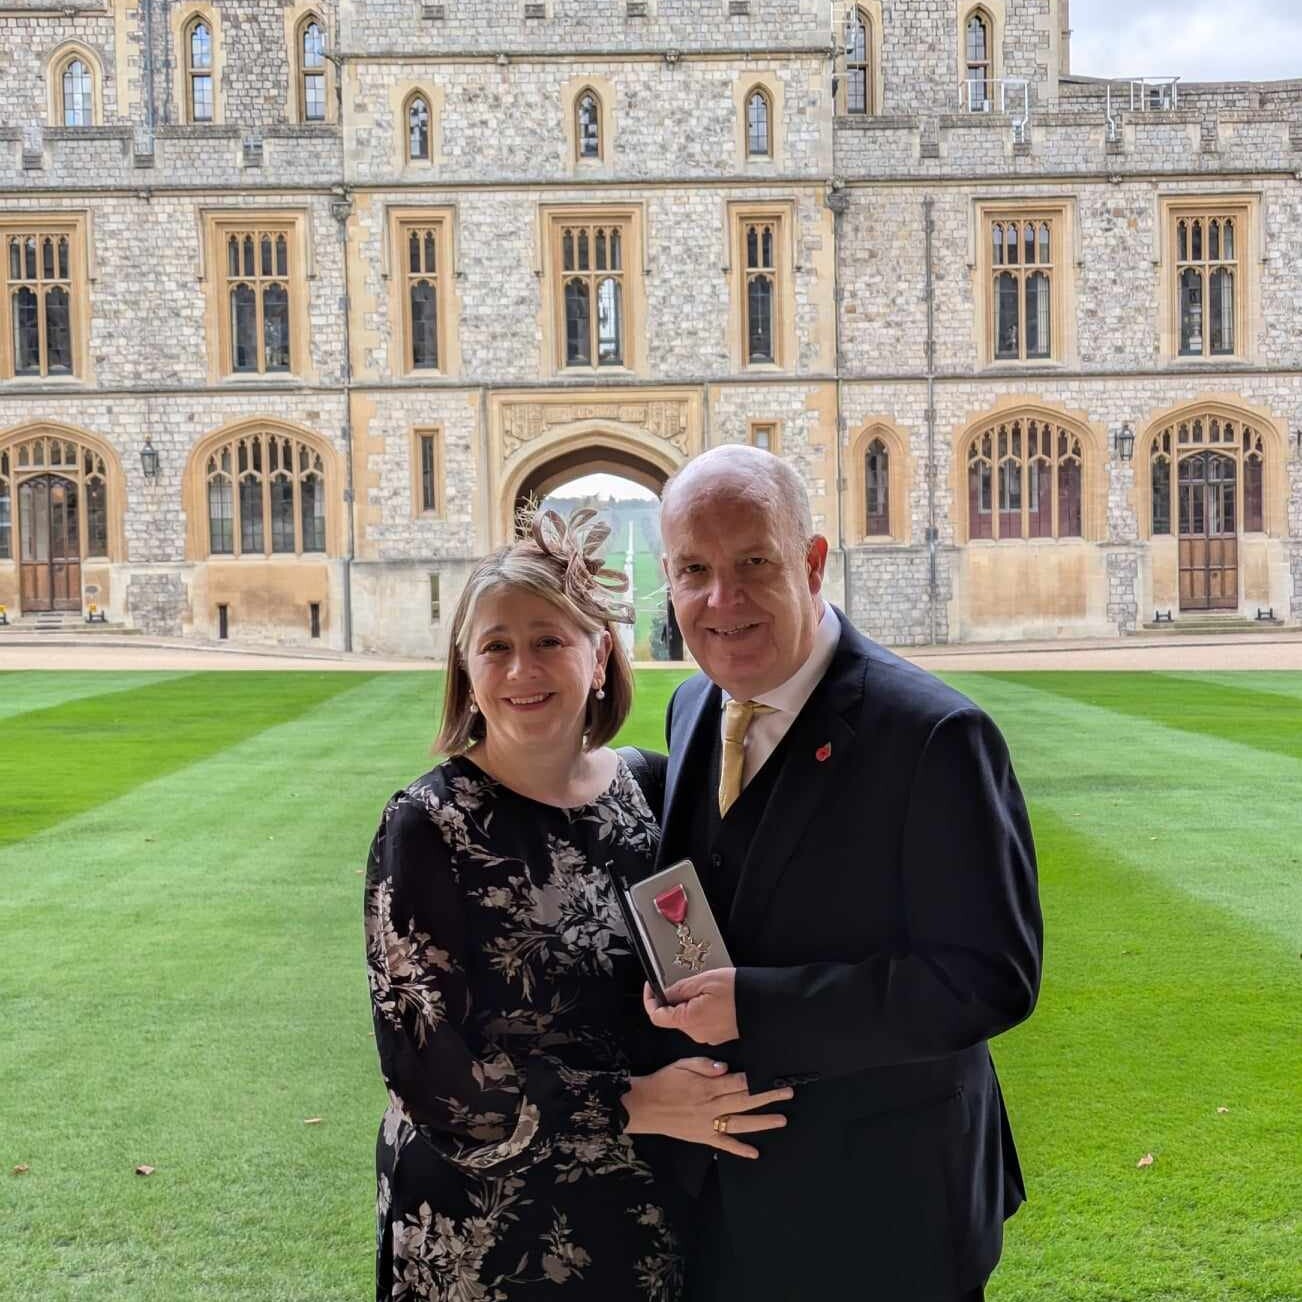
point(1209, 543)
point(50, 544)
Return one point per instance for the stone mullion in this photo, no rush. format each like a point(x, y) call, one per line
point(237, 504)
point(1020, 274)
point(296, 497)
point(259, 288)
point(83, 536)
point(265, 476)
point(1055, 487)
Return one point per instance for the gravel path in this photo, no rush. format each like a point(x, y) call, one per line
point(1273, 650)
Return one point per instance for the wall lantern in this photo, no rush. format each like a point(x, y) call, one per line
point(149, 459)
point(1124, 442)
point(1297, 442)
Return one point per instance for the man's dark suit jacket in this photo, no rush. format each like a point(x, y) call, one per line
point(885, 925)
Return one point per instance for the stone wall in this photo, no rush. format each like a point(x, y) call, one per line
point(673, 73)
point(511, 121)
point(890, 597)
point(493, 26)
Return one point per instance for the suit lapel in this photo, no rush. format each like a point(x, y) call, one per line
point(692, 716)
point(818, 744)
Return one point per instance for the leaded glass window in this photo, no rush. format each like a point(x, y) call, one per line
point(758, 124)
point(1160, 484)
point(78, 94)
point(587, 134)
point(312, 78)
point(257, 294)
point(1023, 252)
point(877, 489)
point(266, 496)
point(428, 472)
point(1025, 480)
point(759, 243)
point(199, 72)
point(1207, 276)
point(418, 129)
point(6, 509)
point(422, 270)
point(593, 293)
point(38, 281)
point(979, 69)
point(1253, 482)
point(858, 64)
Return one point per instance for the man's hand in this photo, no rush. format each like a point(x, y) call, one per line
point(702, 1006)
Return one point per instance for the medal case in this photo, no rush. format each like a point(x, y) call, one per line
point(673, 926)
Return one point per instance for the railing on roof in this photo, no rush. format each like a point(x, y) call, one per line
point(1011, 95)
point(1140, 95)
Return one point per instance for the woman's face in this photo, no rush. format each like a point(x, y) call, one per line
point(531, 670)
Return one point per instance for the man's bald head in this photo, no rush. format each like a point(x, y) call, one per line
point(739, 471)
point(745, 568)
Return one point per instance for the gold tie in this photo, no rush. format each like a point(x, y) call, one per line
point(736, 720)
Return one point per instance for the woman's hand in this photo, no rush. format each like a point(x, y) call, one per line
point(685, 1099)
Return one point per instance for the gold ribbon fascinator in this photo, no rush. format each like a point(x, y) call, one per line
point(577, 544)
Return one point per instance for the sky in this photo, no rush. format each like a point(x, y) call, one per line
point(1195, 40)
point(603, 486)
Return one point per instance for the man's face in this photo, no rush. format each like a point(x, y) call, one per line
point(745, 589)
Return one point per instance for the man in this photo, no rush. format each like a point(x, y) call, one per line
point(870, 863)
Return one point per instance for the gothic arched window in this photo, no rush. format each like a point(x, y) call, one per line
point(199, 104)
point(418, 129)
point(858, 64)
point(1025, 480)
point(265, 494)
point(759, 120)
point(587, 125)
point(311, 63)
point(979, 61)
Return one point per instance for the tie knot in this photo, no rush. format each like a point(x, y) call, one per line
point(737, 716)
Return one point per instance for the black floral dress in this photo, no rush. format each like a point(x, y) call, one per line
point(505, 997)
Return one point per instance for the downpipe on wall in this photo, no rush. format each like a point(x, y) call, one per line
point(341, 208)
point(933, 533)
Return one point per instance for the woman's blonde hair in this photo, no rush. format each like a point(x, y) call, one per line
point(559, 561)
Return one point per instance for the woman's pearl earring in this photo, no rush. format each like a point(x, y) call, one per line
point(474, 709)
point(600, 693)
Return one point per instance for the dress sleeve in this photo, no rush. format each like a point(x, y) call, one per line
point(499, 1112)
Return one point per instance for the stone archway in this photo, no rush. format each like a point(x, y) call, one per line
point(549, 474)
point(557, 470)
point(61, 517)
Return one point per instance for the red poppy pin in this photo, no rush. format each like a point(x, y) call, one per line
point(823, 751)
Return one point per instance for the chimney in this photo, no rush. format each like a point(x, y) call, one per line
point(1064, 42)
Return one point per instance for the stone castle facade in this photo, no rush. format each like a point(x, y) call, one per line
point(303, 297)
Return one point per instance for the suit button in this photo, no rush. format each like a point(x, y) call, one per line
point(716, 861)
point(714, 1157)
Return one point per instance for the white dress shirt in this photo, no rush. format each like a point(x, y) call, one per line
point(787, 700)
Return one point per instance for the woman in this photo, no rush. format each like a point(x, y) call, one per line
point(504, 989)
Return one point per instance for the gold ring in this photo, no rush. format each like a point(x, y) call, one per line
point(721, 1125)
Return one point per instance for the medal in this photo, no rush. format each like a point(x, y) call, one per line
point(671, 905)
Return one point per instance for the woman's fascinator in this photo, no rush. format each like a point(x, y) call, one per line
point(576, 544)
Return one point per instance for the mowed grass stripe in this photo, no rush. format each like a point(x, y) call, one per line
point(1156, 1010)
point(1211, 817)
point(22, 691)
point(58, 761)
point(1264, 720)
point(188, 985)
point(1279, 682)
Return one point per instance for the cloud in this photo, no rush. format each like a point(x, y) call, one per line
point(1196, 40)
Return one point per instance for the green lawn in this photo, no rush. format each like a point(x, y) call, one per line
point(648, 595)
point(182, 982)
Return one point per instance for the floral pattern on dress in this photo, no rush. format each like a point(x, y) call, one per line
point(505, 994)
